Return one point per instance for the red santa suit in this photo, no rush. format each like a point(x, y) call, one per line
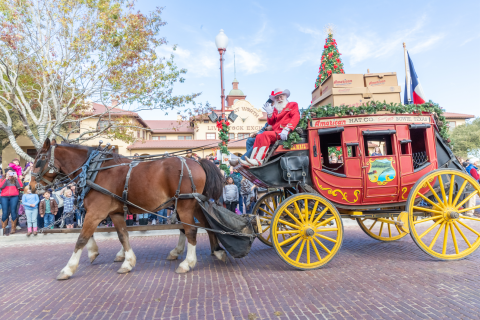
point(287, 118)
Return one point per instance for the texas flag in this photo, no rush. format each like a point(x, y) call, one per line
point(416, 95)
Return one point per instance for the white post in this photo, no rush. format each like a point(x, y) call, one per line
point(407, 73)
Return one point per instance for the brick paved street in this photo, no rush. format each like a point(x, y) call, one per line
point(368, 279)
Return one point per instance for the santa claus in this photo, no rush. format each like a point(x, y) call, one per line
point(283, 117)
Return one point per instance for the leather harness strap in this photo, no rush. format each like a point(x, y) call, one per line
point(125, 189)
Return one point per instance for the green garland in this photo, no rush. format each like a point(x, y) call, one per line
point(224, 130)
point(369, 108)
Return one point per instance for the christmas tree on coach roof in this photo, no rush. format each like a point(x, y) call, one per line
point(330, 62)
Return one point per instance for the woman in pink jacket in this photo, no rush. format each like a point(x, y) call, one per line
point(9, 185)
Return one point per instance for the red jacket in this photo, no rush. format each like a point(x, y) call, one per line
point(288, 118)
point(9, 189)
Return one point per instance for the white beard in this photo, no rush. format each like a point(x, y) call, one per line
point(280, 105)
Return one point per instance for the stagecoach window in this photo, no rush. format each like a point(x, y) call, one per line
point(419, 147)
point(378, 145)
point(332, 152)
point(351, 151)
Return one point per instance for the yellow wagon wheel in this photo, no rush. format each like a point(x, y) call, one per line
point(264, 209)
point(315, 229)
point(444, 227)
point(383, 229)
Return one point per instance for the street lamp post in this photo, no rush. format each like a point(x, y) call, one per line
point(221, 41)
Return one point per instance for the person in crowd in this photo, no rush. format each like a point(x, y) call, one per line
point(129, 221)
point(230, 194)
point(237, 180)
point(48, 209)
point(189, 153)
point(143, 219)
point(59, 200)
point(472, 168)
point(68, 206)
point(27, 173)
point(15, 165)
point(30, 203)
point(376, 152)
point(246, 194)
point(10, 186)
point(40, 219)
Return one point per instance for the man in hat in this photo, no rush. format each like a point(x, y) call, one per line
point(283, 117)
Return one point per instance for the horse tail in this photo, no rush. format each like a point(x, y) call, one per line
point(214, 182)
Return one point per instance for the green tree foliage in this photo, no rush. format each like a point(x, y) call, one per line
point(330, 61)
point(465, 139)
point(55, 55)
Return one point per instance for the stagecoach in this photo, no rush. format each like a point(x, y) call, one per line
point(394, 174)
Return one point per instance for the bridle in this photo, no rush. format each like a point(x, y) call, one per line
point(50, 168)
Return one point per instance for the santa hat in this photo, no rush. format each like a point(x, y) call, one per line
point(278, 92)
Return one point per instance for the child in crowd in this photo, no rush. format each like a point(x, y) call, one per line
point(30, 203)
point(68, 206)
point(27, 173)
point(48, 209)
point(246, 191)
point(230, 194)
point(15, 165)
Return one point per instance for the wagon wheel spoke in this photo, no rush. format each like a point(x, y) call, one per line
point(462, 234)
point(459, 193)
point(426, 219)
point(471, 195)
point(300, 250)
point(445, 239)
point(429, 201)
point(434, 193)
point(265, 211)
point(325, 237)
point(265, 202)
point(315, 206)
point(452, 186)
point(428, 210)
point(321, 245)
point(436, 235)
point(454, 238)
point(431, 228)
point(300, 214)
point(442, 189)
point(371, 227)
point(389, 230)
point(281, 244)
point(381, 228)
point(320, 216)
point(324, 222)
point(315, 249)
point(468, 209)
point(293, 247)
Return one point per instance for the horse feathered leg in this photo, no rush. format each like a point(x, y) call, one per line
point(129, 258)
point(179, 249)
point(92, 249)
point(89, 226)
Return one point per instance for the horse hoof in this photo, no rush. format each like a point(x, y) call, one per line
point(63, 276)
point(119, 259)
point(171, 257)
point(93, 257)
point(123, 270)
point(180, 270)
point(221, 255)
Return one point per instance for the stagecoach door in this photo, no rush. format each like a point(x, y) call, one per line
point(380, 165)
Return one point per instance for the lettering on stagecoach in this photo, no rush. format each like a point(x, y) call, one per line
point(372, 119)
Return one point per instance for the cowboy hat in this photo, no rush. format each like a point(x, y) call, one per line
point(278, 92)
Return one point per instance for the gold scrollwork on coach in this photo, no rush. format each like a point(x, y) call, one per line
point(403, 192)
point(336, 192)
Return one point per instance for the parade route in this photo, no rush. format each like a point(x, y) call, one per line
point(368, 279)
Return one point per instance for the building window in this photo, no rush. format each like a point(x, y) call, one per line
point(231, 136)
point(162, 137)
point(243, 135)
point(32, 153)
point(211, 136)
point(206, 121)
point(138, 134)
point(102, 124)
point(154, 138)
point(184, 137)
point(452, 124)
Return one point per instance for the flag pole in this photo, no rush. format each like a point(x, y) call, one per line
point(407, 73)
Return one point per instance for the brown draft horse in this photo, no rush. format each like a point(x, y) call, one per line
point(151, 184)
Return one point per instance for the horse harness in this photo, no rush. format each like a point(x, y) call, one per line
point(92, 166)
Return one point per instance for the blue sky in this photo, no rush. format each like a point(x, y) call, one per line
point(279, 44)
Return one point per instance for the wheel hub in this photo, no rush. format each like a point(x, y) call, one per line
point(453, 214)
point(309, 232)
